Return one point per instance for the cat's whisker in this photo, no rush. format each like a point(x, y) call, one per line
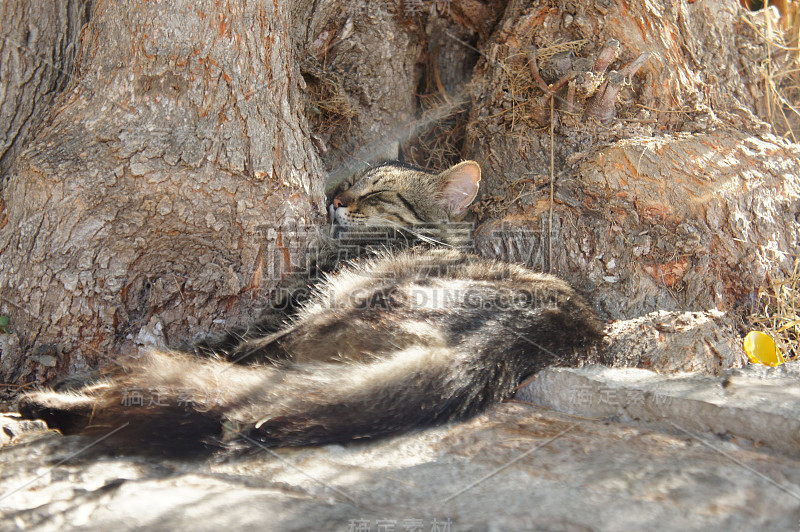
point(419, 235)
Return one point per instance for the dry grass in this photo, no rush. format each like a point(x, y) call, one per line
point(779, 30)
point(517, 92)
point(440, 145)
point(778, 313)
point(328, 108)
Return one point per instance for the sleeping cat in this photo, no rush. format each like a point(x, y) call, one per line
point(389, 207)
point(413, 334)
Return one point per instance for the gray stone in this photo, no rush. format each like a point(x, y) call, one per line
point(619, 449)
point(517, 467)
point(13, 429)
point(757, 404)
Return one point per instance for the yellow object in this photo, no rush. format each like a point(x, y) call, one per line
point(761, 349)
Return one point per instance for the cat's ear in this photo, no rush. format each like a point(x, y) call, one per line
point(460, 186)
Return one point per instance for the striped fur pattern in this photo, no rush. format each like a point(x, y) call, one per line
point(402, 340)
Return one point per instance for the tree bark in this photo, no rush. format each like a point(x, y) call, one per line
point(37, 52)
point(176, 163)
point(163, 197)
point(670, 195)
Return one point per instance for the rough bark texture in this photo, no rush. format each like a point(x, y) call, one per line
point(162, 198)
point(671, 342)
point(359, 61)
point(180, 161)
point(677, 222)
point(152, 202)
point(37, 51)
point(694, 80)
point(679, 199)
point(372, 69)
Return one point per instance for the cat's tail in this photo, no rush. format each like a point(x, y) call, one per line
point(173, 402)
point(170, 402)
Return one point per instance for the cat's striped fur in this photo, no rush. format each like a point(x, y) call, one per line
point(406, 339)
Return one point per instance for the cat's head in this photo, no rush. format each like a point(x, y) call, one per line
point(404, 197)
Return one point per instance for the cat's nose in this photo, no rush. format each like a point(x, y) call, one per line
point(337, 202)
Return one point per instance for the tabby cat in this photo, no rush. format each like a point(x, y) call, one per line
point(415, 334)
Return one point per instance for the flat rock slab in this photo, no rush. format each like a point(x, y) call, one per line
point(756, 404)
point(517, 467)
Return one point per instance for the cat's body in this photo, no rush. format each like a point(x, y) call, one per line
point(398, 341)
point(387, 208)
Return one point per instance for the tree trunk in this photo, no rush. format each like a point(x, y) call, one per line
point(37, 52)
point(173, 167)
point(164, 196)
point(669, 195)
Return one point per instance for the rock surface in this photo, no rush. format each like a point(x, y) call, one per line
point(755, 405)
point(517, 467)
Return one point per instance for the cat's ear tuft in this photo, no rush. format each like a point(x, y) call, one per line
point(460, 186)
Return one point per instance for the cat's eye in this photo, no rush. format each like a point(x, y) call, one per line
point(371, 194)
